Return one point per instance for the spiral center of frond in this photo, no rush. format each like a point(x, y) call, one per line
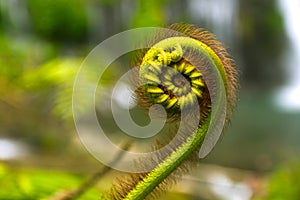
point(170, 80)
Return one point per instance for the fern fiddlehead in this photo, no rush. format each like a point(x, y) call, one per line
point(175, 73)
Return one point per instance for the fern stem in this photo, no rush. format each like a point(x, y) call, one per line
point(165, 168)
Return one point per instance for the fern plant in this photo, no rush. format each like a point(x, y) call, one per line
point(175, 73)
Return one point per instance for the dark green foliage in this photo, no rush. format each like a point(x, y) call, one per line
point(1, 18)
point(262, 41)
point(61, 20)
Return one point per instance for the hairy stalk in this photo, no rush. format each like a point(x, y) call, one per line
point(165, 168)
point(176, 72)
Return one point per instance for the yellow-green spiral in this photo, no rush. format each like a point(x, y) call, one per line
point(170, 79)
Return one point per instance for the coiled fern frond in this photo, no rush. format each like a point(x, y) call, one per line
point(175, 73)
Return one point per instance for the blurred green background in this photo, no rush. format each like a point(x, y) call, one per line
point(43, 43)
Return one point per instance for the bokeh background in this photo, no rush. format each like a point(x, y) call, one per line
point(44, 42)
